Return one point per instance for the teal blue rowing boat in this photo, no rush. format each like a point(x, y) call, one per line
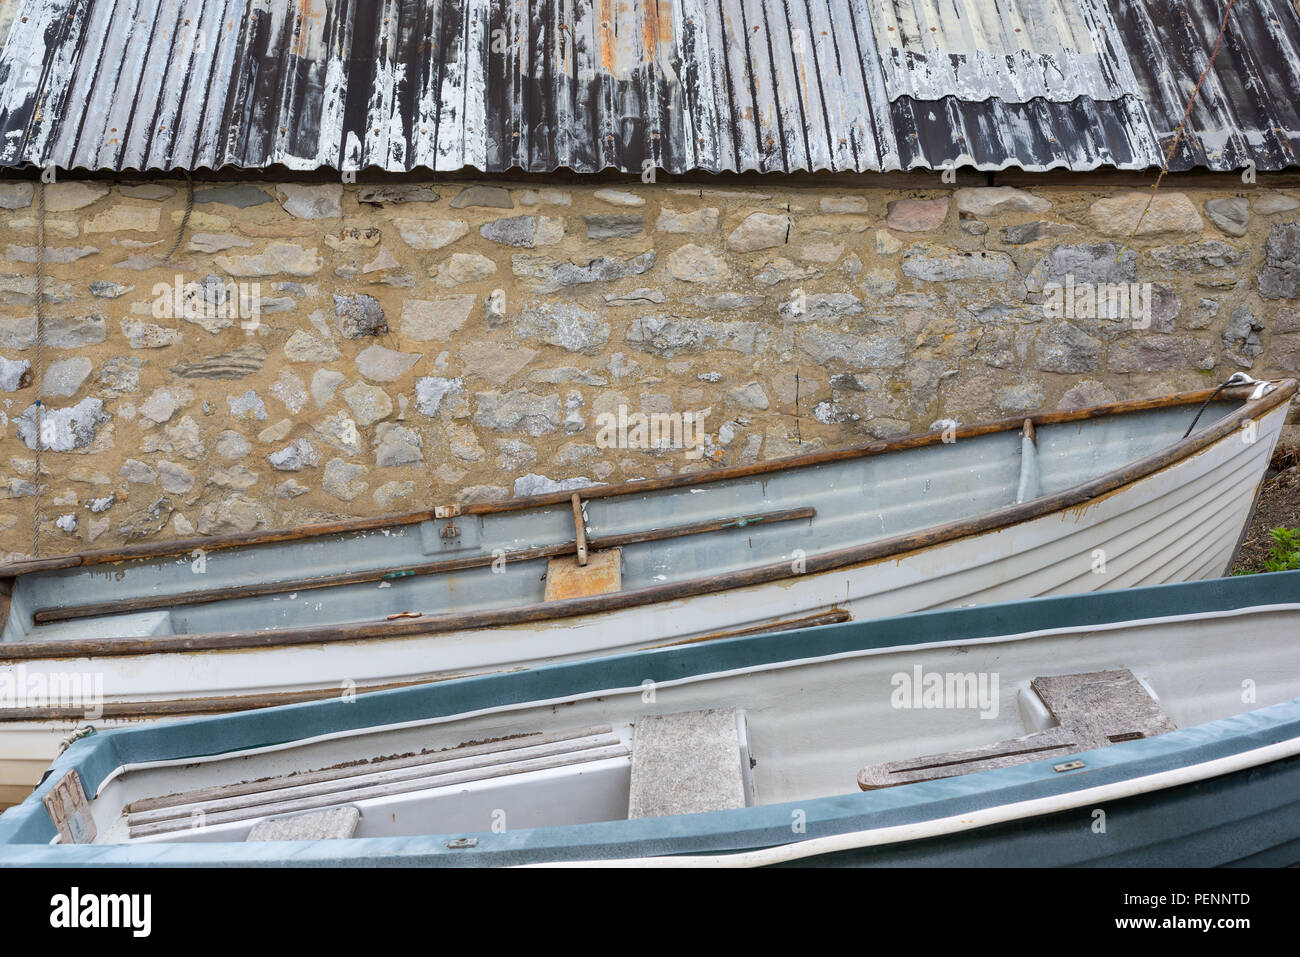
point(1156, 726)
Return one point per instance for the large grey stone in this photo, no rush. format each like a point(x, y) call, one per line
point(396, 194)
point(760, 231)
point(669, 335)
point(1280, 277)
point(368, 403)
point(62, 430)
point(465, 267)
point(15, 374)
point(430, 233)
point(525, 231)
point(1067, 349)
point(386, 365)
point(1231, 215)
point(1242, 336)
point(53, 254)
point(491, 196)
point(431, 390)
point(343, 480)
point(518, 411)
point(858, 352)
point(61, 332)
point(548, 275)
point(239, 195)
point(613, 225)
point(312, 202)
point(397, 445)
point(937, 264)
point(339, 431)
point(276, 258)
point(297, 455)
point(428, 319)
point(692, 221)
point(64, 377)
point(1149, 214)
point(692, 263)
point(16, 195)
point(359, 315)
point(1198, 257)
point(533, 484)
point(998, 201)
point(304, 347)
point(1024, 233)
point(916, 215)
point(1094, 264)
point(566, 325)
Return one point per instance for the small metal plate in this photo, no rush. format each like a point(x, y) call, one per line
point(450, 535)
point(602, 574)
point(69, 809)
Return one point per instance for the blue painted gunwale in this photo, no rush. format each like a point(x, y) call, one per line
point(25, 831)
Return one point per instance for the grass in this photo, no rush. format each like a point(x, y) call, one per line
point(1285, 555)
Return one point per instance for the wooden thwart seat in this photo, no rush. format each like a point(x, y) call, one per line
point(689, 762)
point(1092, 710)
point(292, 794)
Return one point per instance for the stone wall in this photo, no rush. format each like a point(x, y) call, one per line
point(421, 344)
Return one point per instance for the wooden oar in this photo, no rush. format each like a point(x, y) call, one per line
point(122, 606)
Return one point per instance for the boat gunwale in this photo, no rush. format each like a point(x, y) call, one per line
point(1283, 390)
point(868, 553)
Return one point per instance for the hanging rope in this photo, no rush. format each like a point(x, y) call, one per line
point(185, 219)
point(1178, 134)
point(38, 370)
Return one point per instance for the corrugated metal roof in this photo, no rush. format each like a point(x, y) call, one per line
point(1016, 51)
point(722, 85)
point(1248, 109)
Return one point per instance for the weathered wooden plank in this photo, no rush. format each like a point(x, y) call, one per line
point(374, 792)
point(350, 770)
point(568, 577)
point(69, 809)
point(1092, 710)
point(290, 788)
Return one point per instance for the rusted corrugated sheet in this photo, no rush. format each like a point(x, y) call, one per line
point(1248, 109)
point(722, 85)
point(1055, 50)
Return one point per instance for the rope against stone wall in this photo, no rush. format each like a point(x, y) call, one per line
point(185, 219)
point(1178, 134)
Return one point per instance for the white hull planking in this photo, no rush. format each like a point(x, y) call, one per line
point(1181, 523)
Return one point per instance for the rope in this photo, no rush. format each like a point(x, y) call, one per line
point(1237, 378)
point(38, 372)
point(77, 735)
point(185, 219)
point(1178, 134)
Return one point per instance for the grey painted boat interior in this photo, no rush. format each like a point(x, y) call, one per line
point(809, 726)
point(856, 501)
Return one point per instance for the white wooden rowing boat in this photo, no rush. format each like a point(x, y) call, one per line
point(1099, 498)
